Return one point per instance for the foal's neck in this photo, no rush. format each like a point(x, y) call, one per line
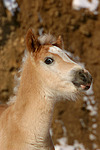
point(34, 107)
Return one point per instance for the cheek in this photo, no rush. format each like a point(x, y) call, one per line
point(55, 75)
point(56, 81)
point(50, 78)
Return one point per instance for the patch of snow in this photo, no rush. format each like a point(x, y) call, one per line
point(92, 6)
point(92, 137)
point(63, 127)
point(92, 99)
point(82, 123)
point(64, 146)
point(11, 5)
point(90, 108)
point(94, 112)
point(94, 126)
point(91, 105)
point(88, 102)
point(85, 98)
point(94, 146)
point(90, 91)
point(62, 141)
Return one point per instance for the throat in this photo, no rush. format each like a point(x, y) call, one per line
point(35, 123)
point(34, 109)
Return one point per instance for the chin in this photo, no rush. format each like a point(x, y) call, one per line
point(74, 93)
point(71, 93)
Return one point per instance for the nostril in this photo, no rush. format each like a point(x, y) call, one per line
point(83, 76)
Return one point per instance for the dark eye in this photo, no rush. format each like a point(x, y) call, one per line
point(49, 60)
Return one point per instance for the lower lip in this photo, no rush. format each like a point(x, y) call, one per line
point(85, 87)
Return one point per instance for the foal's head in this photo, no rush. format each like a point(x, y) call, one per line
point(61, 77)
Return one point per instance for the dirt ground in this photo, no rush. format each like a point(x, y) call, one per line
point(81, 34)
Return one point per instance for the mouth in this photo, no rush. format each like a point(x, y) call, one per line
point(83, 87)
point(82, 80)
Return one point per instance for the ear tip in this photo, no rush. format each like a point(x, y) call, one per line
point(29, 34)
point(30, 30)
point(60, 37)
point(31, 41)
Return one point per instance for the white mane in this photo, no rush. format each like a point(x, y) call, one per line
point(46, 39)
point(17, 79)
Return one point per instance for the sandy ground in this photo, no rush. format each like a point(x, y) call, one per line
point(81, 34)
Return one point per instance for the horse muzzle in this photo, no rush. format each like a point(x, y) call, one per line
point(82, 79)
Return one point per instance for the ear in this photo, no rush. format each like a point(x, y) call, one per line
point(32, 43)
point(59, 42)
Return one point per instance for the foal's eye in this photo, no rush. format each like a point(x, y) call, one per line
point(49, 60)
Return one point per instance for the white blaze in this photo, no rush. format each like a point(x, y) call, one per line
point(61, 53)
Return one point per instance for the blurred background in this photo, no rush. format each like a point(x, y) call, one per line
point(76, 125)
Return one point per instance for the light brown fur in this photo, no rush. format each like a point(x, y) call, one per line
point(25, 124)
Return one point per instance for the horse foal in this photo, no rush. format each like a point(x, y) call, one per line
point(48, 75)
